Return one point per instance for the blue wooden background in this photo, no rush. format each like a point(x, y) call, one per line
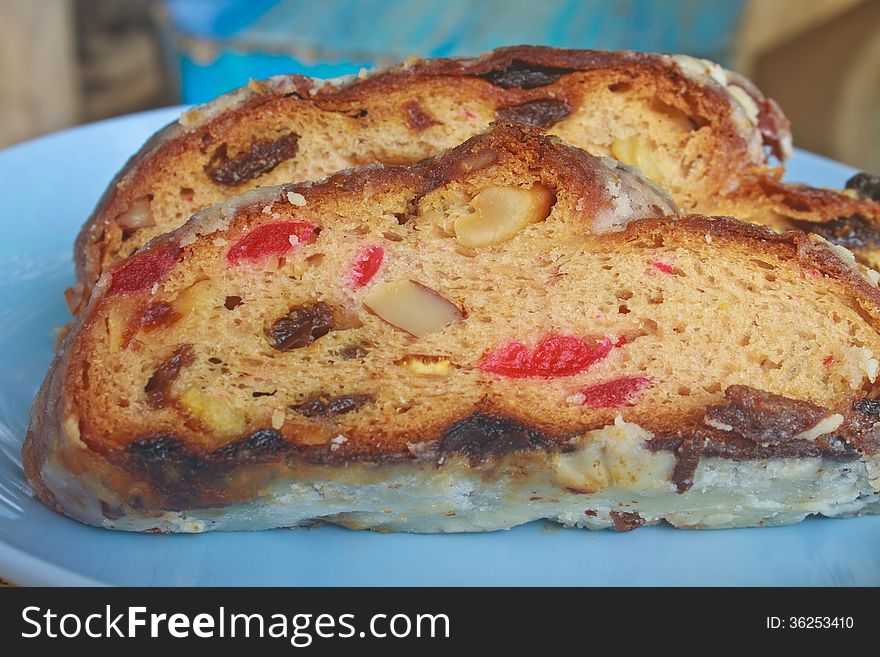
point(219, 44)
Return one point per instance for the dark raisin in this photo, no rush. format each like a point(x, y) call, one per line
point(261, 157)
point(263, 394)
point(868, 407)
point(263, 442)
point(542, 113)
point(866, 185)
point(301, 326)
point(357, 351)
point(480, 436)
point(322, 406)
point(232, 302)
point(853, 232)
point(158, 449)
point(159, 384)
point(521, 75)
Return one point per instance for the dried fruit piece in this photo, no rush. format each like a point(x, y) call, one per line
point(263, 156)
point(159, 314)
point(664, 267)
point(272, 239)
point(197, 293)
point(631, 151)
point(611, 394)
point(867, 186)
point(301, 326)
point(212, 412)
point(554, 356)
point(500, 213)
point(159, 385)
point(412, 307)
point(543, 112)
point(143, 270)
point(426, 365)
point(323, 406)
point(366, 264)
point(520, 75)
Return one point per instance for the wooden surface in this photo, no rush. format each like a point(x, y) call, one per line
point(40, 89)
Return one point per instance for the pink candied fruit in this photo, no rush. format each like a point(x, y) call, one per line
point(554, 356)
point(611, 394)
point(366, 264)
point(143, 270)
point(828, 360)
point(664, 267)
point(273, 239)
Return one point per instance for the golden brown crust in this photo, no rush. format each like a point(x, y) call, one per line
point(513, 83)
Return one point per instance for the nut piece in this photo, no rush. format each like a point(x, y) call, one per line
point(412, 307)
point(213, 413)
point(426, 365)
point(137, 216)
point(633, 152)
point(500, 213)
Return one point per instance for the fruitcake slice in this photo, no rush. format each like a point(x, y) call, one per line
point(704, 134)
point(512, 330)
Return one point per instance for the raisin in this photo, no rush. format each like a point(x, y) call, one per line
point(263, 442)
point(322, 406)
point(159, 384)
point(611, 394)
point(481, 436)
point(854, 232)
point(158, 449)
point(866, 185)
point(301, 326)
point(366, 264)
point(521, 75)
point(143, 270)
point(262, 157)
point(273, 239)
point(554, 356)
point(542, 113)
point(765, 418)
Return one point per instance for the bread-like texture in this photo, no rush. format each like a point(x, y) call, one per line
point(601, 363)
point(701, 132)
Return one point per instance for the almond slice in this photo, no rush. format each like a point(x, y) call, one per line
point(412, 307)
point(500, 213)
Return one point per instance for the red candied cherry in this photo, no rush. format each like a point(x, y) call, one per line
point(366, 264)
point(273, 239)
point(143, 270)
point(554, 356)
point(611, 394)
